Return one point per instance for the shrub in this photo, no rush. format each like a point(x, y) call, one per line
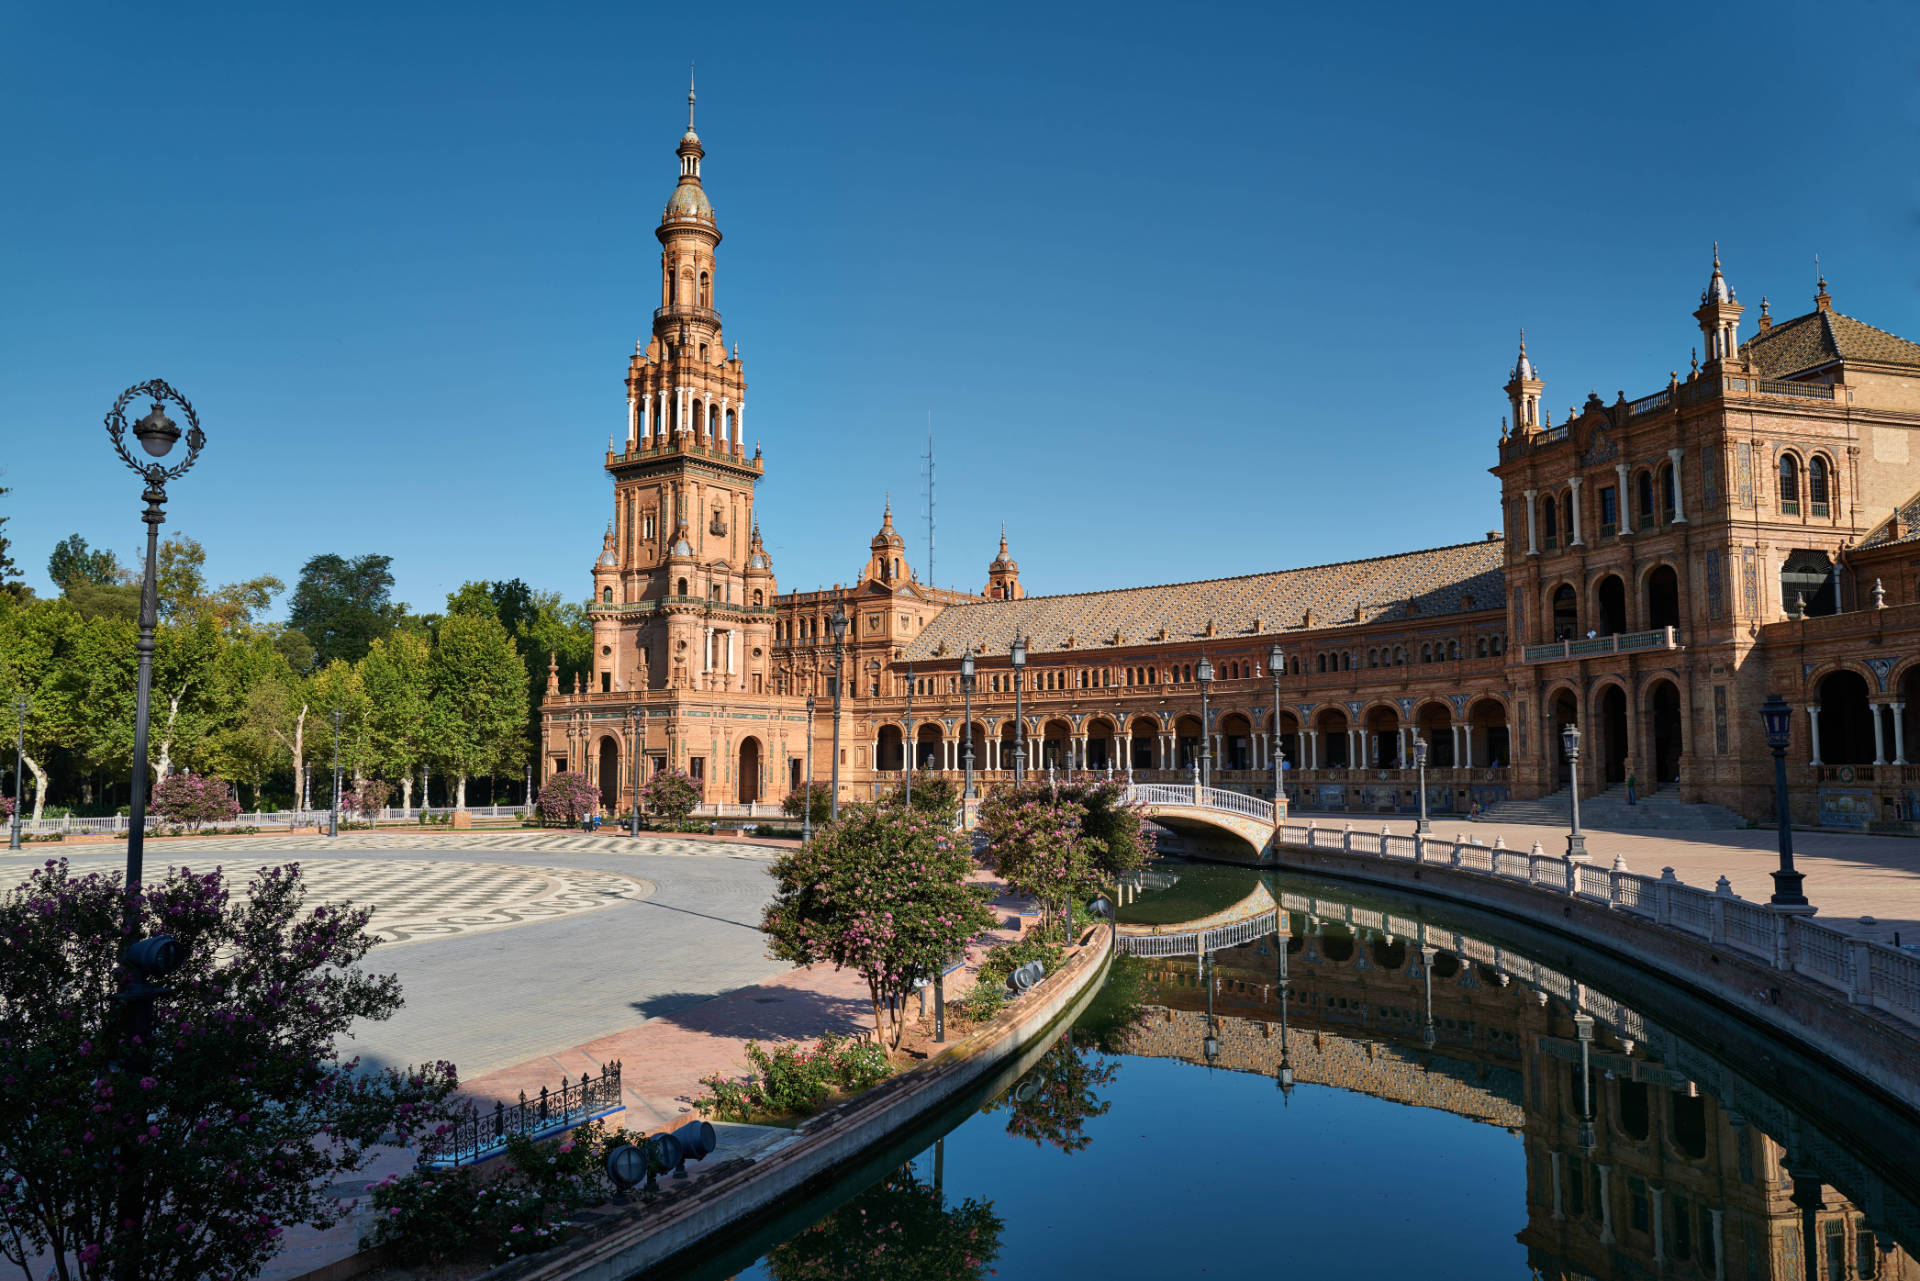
point(984, 1000)
point(566, 798)
point(424, 1215)
point(188, 800)
point(938, 797)
point(794, 1079)
point(821, 796)
point(671, 794)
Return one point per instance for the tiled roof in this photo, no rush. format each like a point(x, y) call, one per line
point(1881, 535)
point(1403, 587)
point(1821, 337)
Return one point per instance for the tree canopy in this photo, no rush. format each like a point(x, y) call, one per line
point(342, 606)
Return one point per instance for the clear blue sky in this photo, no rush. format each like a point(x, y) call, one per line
point(1189, 291)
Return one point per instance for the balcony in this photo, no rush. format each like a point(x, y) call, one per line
point(1660, 638)
point(687, 311)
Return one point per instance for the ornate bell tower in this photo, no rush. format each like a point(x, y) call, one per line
point(678, 602)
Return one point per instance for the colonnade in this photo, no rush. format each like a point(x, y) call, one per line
point(649, 417)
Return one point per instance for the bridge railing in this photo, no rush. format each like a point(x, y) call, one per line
point(1196, 797)
point(1196, 942)
point(1870, 973)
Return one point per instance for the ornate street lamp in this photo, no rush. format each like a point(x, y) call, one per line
point(1583, 1028)
point(1285, 1076)
point(333, 820)
point(1420, 764)
point(1276, 661)
point(20, 709)
point(1018, 655)
point(906, 740)
point(1570, 742)
point(966, 728)
point(1204, 674)
point(633, 763)
point(1778, 718)
point(1211, 1045)
point(839, 657)
point(806, 811)
point(1427, 957)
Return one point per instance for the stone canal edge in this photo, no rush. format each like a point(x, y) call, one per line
point(644, 1240)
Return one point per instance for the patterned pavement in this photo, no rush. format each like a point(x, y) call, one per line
point(408, 839)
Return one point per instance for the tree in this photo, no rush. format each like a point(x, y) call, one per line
point(1034, 841)
point(188, 800)
point(938, 798)
point(9, 572)
point(241, 1114)
point(181, 580)
point(398, 682)
point(117, 601)
point(900, 1229)
point(884, 892)
point(73, 562)
point(566, 798)
point(341, 606)
point(34, 636)
point(337, 688)
point(477, 700)
point(1053, 1102)
point(671, 794)
point(815, 796)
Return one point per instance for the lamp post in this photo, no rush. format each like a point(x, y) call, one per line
point(1570, 742)
point(1778, 718)
point(839, 656)
point(966, 729)
point(1285, 1076)
point(1422, 827)
point(1204, 674)
point(1211, 1045)
point(906, 743)
point(153, 957)
point(1583, 1028)
point(806, 811)
point(633, 763)
point(333, 820)
point(20, 710)
point(1017, 654)
point(1276, 661)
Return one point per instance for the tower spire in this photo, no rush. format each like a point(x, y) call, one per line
point(689, 97)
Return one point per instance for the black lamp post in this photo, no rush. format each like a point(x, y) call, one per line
point(1778, 718)
point(1285, 1077)
point(1276, 662)
point(806, 811)
point(20, 709)
point(1210, 1046)
point(333, 821)
point(1570, 742)
point(1427, 957)
point(1583, 1028)
point(839, 657)
point(1017, 654)
point(1204, 674)
point(906, 743)
point(633, 763)
point(966, 747)
point(1422, 827)
point(151, 958)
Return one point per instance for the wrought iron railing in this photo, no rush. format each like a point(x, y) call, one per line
point(1595, 646)
point(482, 1134)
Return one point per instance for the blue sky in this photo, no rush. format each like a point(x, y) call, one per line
point(1188, 290)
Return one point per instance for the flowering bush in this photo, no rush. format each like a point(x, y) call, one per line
point(670, 794)
point(6, 807)
point(884, 892)
point(1053, 1102)
point(900, 1229)
point(425, 1215)
point(188, 800)
point(815, 796)
point(368, 799)
point(1058, 842)
point(566, 798)
point(794, 1079)
point(231, 1118)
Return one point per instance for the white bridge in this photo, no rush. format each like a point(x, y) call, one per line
point(1190, 806)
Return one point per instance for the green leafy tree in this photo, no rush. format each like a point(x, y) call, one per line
point(9, 571)
point(884, 892)
point(241, 1114)
point(939, 798)
point(1034, 841)
point(34, 641)
point(181, 582)
point(477, 700)
point(73, 562)
point(337, 688)
point(341, 606)
point(900, 1229)
point(397, 677)
point(246, 745)
point(815, 796)
point(119, 602)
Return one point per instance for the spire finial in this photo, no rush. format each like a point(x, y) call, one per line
point(1523, 338)
point(1821, 282)
point(689, 97)
point(1716, 255)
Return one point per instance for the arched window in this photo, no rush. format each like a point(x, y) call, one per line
point(1789, 485)
point(1426, 653)
point(606, 598)
point(1566, 612)
point(683, 587)
point(1480, 647)
point(1453, 649)
point(1550, 522)
point(757, 598)
point(1666, 492)
point(1644, 493)
point(706, 293)
point(1817, 485)
point(1346, 661)
point(1321, 661)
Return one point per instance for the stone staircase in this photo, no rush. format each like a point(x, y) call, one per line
point(1662, 811)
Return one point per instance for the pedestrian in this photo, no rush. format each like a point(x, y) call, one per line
point(1633, 797)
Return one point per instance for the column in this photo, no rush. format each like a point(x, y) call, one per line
point(723, 418)
point(1620, 502)
point(1573, 500)
point(740, 420)
point(1556, 1161)
point(1718, 1235)
point(1313, 749)
point(708, 398)
point(661, 427)
point(1657, 1195)
point(706, 652)
point(646, 417)
point(1606, 1204)
point(633, 421)
point(1813, 726)
point(1533, 538)
point(1879, 733)
point(1679, 507)
point(1899, 733)
point(731, 651)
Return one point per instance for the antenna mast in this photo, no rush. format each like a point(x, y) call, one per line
point(929, 457)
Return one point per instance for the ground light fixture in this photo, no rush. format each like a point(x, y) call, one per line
point(1787, 881)
point(626, 1168)
point(696, 1140)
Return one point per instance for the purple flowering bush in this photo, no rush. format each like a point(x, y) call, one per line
point(566, 798)
point(1060, 843)
point(884, 892)
point(189, 800)
point(228, 1122)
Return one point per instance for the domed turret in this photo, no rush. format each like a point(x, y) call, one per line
point(1003, 575)
point(1719, 315)
point(1523, 391)
point(888, 564)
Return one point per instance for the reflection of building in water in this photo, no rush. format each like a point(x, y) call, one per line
point(1633, 1168)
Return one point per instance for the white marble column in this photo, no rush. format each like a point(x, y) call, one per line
point(1679, 507)
point(1813, 726)
point(633, 422)
point(1899, 733)
point(725, 405)
point(1620, 503)
point(1879, 733)
point(1573, 500)
point(1533, 537)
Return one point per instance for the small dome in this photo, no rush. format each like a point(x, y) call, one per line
point(689, 200)
point(1523, 368)
point(1716, 290)
point(758, 560)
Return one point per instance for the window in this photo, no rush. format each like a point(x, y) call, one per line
point(1609, 511)
point(1550, 523)
point(1789, 485)
point(1817, 484)
point(1644, 488)
point(1321, 660)
point(606, 598)
point(1641, 1205)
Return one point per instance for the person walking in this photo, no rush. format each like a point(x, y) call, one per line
point(1633, 784)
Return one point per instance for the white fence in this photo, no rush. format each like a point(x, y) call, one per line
point(1869, 973)
point(1192, 794)
point(1223, 936)
point(120, 825)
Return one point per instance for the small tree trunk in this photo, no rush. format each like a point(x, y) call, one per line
point(39, 786)
point(460, 792)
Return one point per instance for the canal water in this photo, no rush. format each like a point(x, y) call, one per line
point(1379, 1086)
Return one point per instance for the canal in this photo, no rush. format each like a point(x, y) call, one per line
point(1379, 1085)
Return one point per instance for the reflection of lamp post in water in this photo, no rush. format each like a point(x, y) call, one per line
point(1427, 957)
point(1211, 1045)
point(1285, 1076)
point(1583, 1028)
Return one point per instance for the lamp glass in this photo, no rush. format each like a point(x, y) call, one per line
point(966, 666)
point(839, 623)
point(1275, 660)
point(1204, 672)
point(1778, 718)
point(1019, 651)
point(1570, 738)
point(156, 432)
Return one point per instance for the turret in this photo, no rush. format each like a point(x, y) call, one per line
point(888, 563)
point(1719, 315)
point(1003, 575)
point(1523, 392)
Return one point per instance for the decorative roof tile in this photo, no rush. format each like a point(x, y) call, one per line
point(1905, 530)
point(1822, 337)
point(1422, 584)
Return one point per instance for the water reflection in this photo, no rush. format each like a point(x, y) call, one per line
point(900, 1228)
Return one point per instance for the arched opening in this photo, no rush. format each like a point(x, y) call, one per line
point(1236, 742)
point(1611, 598)
point(1289, 739)
point(1435, 724)
point(706, 290)
point(1669, 739)
point(609, 773)
point(1789, 485)
point(1566, 612)
point(890, 750)
point(1635, 1116)
point(1102, 751)
point(928, 746)
point(1808, 584)
point(1909, 740)
point(1817, 497)
point(974, 735)
point(757, 597)
point(606, 595)
point(1056, 744)
point(1336, 944)
point(1383, 738)
point(1146, 734)
point(1549, 523)
point(1689, 1130)
point(680, 588)
point(1009, 743)
point(1334, 748)
point(1446, 966)
point(1613, 735)
point(749, 771)
point(1186, 742)
point(1846, 720)
point(1565, 710)
point(1663, 597)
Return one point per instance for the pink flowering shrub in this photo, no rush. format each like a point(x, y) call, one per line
point(884, 892)
point(566, 798)
point(238, 1112)
point(670, 794)
point(1061, 843)
point(188, 800)
point(794, 1079)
